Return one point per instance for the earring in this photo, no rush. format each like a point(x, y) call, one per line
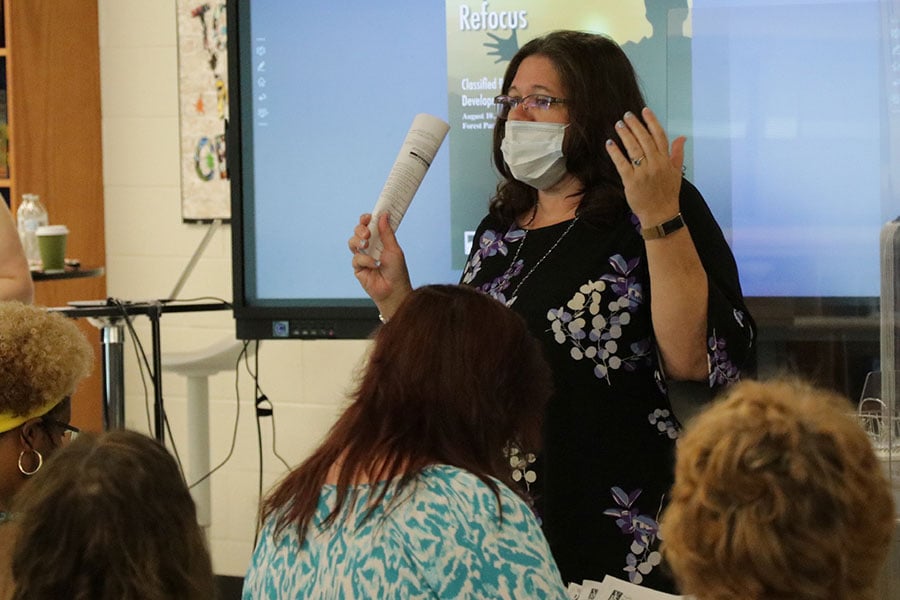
point(40, 463)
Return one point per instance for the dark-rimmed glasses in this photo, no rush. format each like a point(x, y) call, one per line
point(69, 432)
point(506, 103)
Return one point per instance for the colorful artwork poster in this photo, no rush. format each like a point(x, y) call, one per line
point(483, 36)
point(203, 109)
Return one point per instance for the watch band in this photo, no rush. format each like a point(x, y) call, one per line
point(663, 229)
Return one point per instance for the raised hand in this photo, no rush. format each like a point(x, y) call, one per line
point(650, 172)
point(386, 281)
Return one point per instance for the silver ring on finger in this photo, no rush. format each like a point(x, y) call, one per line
point(637, 161)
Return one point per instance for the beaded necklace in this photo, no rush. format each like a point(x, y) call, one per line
point(562, 236)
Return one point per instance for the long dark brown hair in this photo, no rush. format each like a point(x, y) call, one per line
point(600, 84)
point(110, 517)
point(452, 379)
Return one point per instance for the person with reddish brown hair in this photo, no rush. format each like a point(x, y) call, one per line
point(408, 496)
point(113, 516)
point(778, 495)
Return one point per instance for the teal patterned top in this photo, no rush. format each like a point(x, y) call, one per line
point(441, 537)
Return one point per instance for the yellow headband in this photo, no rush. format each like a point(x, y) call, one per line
point(8, 421)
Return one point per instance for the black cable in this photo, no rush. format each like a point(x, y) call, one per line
point(146, 370)
point(197, 299)
point(137, 354)
point(146, 363)
point(140, 355)
point(259, 396)
point(264, 408)
point(237, 415)
point(269, 411)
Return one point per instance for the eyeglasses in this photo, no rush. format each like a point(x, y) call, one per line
point(69, 432)
point(530, 102)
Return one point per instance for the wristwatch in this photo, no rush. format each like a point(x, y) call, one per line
point(663, 229)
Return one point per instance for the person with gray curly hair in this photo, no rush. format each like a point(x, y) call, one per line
point(778, 495)
point(43, 358)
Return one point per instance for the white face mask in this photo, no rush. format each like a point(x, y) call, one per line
point(533, 152)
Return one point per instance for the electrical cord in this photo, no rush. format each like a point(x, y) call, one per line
point(143, 362)
point(197, 299)
point(268, 411)
point(259, 412)
point(264, 408)
point(237, 415)
point(138, 349)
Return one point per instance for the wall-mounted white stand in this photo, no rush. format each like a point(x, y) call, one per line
point(197, 367)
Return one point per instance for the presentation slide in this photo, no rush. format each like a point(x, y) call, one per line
point(783, 103)
point(790, 141)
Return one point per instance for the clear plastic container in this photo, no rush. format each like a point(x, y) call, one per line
point(31, 215)
point(877, 413)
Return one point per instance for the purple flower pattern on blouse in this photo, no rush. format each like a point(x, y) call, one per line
point(491, 244)
point(594, 335)
point(642, 554)
point(623, 283)
point(721, 369)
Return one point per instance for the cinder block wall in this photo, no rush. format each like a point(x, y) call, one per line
point(147, 247)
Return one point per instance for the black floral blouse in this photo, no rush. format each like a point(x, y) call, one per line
point(601, 480)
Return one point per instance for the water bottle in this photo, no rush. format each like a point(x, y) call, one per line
point(30, 216)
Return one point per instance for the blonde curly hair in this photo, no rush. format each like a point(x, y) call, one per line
point(778, 494)
point(43, 357)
